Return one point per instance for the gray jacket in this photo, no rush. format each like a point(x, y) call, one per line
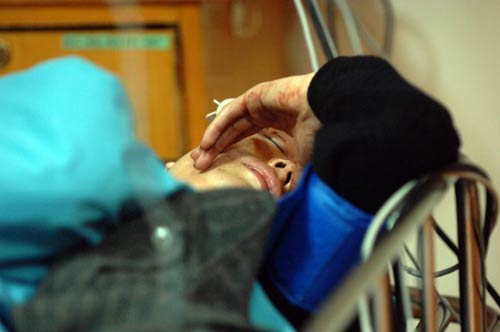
point(186, 265)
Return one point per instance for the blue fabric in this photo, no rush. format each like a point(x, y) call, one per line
point(69, 160)
point(314, 242)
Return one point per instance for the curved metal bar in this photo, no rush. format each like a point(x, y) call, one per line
point(454, 249)
point(324, 35)
point(411, 213)
point(389, 26)
point(426, 194)
point(350, 25)
point(492, 316)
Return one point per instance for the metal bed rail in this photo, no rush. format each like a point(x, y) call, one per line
point(413, 214)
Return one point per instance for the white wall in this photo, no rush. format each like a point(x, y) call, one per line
point(451, 49)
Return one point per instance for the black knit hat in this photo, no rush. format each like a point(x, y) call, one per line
point(379, 131)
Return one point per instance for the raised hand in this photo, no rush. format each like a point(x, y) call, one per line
point(280, 104)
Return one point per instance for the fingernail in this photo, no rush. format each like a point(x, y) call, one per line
point(197, 162)
point(195, 154)
point(201, 162)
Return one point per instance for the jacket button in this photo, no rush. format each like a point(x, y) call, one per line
point(162, 238)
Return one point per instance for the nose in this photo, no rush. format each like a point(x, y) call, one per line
point(285, 171)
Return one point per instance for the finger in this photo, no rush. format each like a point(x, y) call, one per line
point(195, 154)
point(205, 160)
point(226, 118)
point(236, 132)
point(260, 103)
point(216, 150)
point(232, 132)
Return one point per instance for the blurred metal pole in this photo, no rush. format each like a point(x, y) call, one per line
point(470, 258)
point(383, 304)
point(426, 254)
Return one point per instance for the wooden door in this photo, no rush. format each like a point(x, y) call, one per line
point(144, 57)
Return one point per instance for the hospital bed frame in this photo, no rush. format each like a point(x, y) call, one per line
point(368, 292)
point(412, 213)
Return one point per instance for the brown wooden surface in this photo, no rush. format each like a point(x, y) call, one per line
point(237, 59)
point(156, 107)
point(214, 57)
point(166, 87)
point(92, 2)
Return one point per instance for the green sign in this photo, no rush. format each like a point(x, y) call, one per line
point(114, 42)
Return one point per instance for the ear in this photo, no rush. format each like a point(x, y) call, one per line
point(169, 164)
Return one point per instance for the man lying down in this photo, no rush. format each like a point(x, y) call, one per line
point(95, 235)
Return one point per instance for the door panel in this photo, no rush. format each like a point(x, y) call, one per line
point(145, 58)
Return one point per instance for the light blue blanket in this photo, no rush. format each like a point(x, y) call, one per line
point(69, 159)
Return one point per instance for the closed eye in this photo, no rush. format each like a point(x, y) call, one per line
point(274, 142)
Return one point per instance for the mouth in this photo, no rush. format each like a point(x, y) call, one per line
point(266, 177)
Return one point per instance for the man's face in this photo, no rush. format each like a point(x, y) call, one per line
point(263, 161)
